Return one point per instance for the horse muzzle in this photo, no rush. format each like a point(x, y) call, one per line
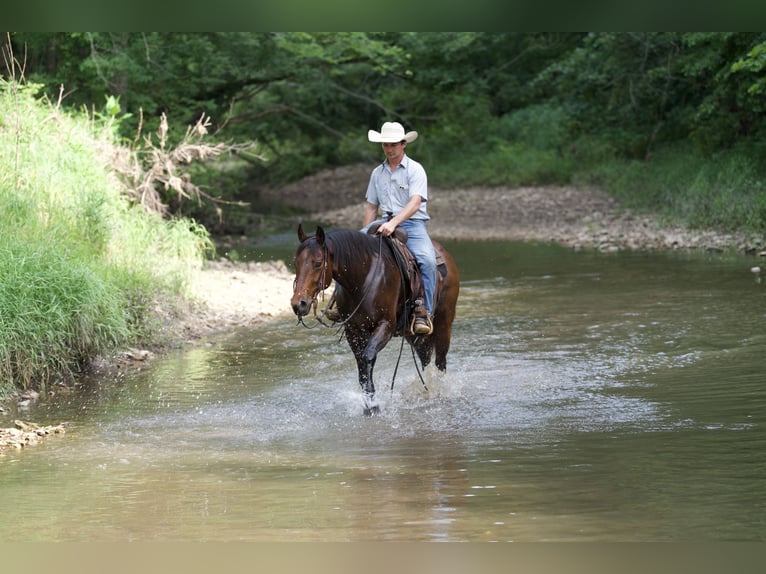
point(301, 306)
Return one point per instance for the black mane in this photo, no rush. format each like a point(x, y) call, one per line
point(350, 246)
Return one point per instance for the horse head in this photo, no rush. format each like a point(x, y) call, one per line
point(313, 270)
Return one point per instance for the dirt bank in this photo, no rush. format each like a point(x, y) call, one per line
point(232, 295)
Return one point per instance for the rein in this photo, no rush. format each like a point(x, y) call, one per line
point(414, 360)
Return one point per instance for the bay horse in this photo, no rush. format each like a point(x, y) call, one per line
point(371, 297)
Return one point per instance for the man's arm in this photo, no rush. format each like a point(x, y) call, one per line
point(370, 213)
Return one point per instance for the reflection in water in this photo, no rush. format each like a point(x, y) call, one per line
point(588, 397)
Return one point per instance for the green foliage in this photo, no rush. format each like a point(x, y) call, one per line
point(79, 266)
point(528, 147)
point(491, 108)
point(754, 65)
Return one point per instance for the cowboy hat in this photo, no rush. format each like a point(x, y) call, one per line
point(391, 132)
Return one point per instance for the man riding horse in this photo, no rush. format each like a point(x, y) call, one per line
point(398, 188)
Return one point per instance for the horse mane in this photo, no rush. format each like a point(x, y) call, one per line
point(350, 246)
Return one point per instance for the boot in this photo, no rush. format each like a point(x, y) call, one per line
point(421, 320)
point(423, 325)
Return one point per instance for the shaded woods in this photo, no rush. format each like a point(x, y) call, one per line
point(665, 121)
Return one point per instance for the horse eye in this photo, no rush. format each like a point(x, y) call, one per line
point(317, 264)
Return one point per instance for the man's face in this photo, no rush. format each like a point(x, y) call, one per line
point(394, 151)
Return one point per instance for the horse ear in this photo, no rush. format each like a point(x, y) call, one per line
point(301, 234)
point(320, 235)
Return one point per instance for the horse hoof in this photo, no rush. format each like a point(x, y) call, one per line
point(370, 411)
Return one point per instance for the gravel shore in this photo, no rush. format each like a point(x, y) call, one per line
point(580, 218)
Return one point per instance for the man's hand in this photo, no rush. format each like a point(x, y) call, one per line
point(387, 228)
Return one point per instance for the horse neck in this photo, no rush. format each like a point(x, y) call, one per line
point(353, 258)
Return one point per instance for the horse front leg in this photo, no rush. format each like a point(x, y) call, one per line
point(365, 367)
point(366, 353)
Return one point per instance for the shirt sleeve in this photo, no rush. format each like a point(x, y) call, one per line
point(372, 190)
point(418, 180)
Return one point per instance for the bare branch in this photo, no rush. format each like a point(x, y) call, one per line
point(156, 169)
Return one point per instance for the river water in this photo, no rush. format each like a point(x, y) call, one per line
point(589, 397)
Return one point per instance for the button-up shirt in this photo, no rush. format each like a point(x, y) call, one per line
point(392, 190)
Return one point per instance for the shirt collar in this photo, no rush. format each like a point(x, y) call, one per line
point(404, 163)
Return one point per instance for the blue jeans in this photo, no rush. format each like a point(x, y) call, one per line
point(420, 244)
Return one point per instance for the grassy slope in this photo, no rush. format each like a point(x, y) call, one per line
point(79, 266)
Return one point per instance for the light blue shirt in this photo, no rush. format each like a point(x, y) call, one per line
point(392, 191)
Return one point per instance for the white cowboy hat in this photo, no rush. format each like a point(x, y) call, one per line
point(391, 132)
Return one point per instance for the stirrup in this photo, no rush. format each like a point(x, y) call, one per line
point(422, 325)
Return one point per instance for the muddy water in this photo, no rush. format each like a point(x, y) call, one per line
point(589, 397)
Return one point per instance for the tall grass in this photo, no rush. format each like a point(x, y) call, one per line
point(726, 191)
point(79, 265)
point(56, 312)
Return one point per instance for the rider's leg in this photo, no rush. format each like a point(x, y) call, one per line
point(419, 243)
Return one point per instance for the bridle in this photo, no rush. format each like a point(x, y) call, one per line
point(322, 285)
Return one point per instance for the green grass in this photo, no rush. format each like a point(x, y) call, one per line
point(726, 191)
point(80, 267)
point(56, 312)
